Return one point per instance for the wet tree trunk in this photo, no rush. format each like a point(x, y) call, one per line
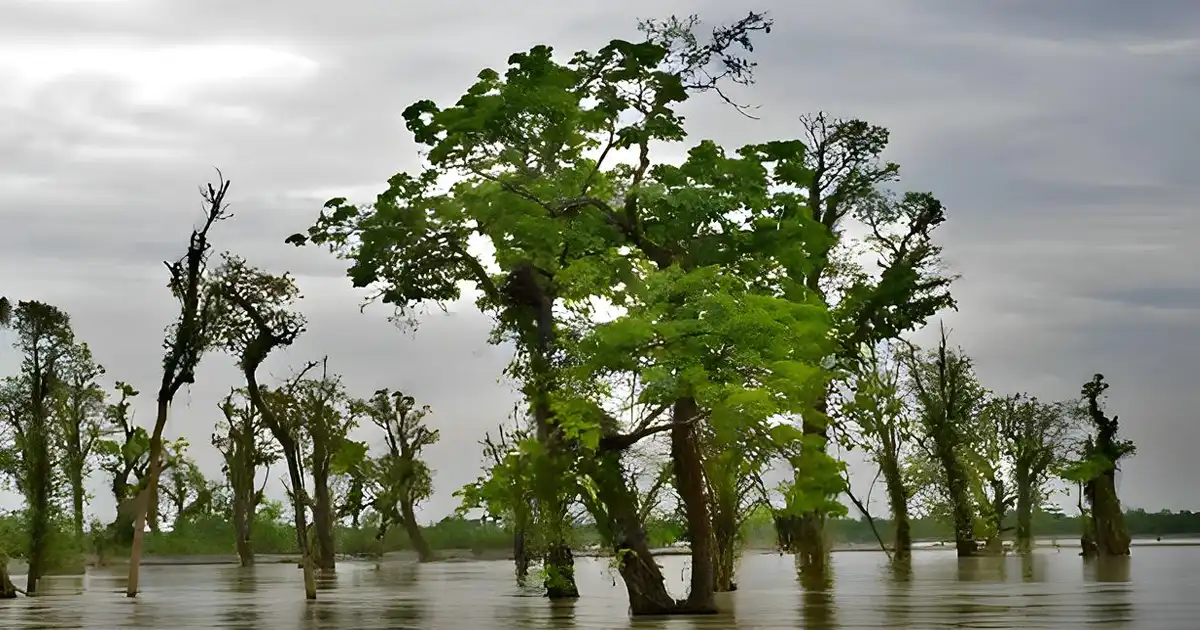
point(1111, 535)
point(898, 502)
point(1024, 509)
point(39, 488)
point(520, 554)
point(725, 537)
point(323, 522)
point(643, 577)
point(424, 553)
point(8, 590)
point(298, 501)
point(964, 519)
point(689, 480)
point(150, 492)
point(808, 537)
point(241, 526)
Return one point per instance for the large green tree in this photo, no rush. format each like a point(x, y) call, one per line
point(532, 155)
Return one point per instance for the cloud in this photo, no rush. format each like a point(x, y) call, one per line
point(1057, 134)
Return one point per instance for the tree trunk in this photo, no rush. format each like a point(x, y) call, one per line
point(808, 537)
point(141, 503)
point(306, 559)
point(424, 553)
point(520, 554)
point(964, 518)
point(323, 521)
point(1024, 510)
point(242, 519)
point(8, 590)
point(1111, 534)
point(39, 507)
point(643, 578)
point(725, 551)
point(898, 502)
point(77, 495)
point(560, 571)
point(689, 479)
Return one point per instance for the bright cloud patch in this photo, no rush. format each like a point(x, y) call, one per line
point(155, 76)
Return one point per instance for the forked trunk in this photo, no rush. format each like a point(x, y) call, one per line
point(142, 502)
point(689, 479)
point(643, 577)
point(424, 553)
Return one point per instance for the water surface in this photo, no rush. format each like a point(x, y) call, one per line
point(1157, 589)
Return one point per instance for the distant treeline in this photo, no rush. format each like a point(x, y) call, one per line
point(1142, 524)
point(214, 536)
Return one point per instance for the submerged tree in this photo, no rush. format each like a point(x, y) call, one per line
point(80, 414)
point(885, 429)
point(246, 447)
point(324, 416)
point(256, 319)
point(1036, 436)
point(844, 183)
point(1105, 533)
point(399, 479)
point(185, 343)
point(504, 491)
point(44, 340)
point(124, 458)
point(948, 397)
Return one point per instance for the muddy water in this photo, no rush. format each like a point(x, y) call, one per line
point(1157, 589)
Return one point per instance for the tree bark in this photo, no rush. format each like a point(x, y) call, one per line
point(520, 554)
point(8, 590)
point(1024, 509)
point(306, 559)
point(141, 503)
point(956, 482)
point(689, 479)
point(241, 526)
point(420, 545)
point(323, 521)
point(1111, 535)
point(619, 519)
point(898, 502)
point(725, 551)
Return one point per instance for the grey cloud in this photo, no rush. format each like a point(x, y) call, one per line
point(1061, 153)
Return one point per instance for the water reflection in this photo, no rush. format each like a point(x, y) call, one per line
point(817, 606)
point(1110, 603)
point(242, 609)
point(934, 590)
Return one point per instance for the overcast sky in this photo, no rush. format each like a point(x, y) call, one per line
point(1058, 133)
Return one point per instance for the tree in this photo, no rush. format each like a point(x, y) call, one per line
point(401, 479)
point(186, 489)
point(123, 459)
point(504, 491)
point(1036, 437)
point(948, 396)
point(325, 415)
point(244, 444)
point(880, 413)
point(1105, 533)
point(256, 318)
point(185, 343)
point(79, 409)
point(845, 179)
point(44, 339)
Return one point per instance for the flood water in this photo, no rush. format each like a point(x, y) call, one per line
point(1157, 589)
